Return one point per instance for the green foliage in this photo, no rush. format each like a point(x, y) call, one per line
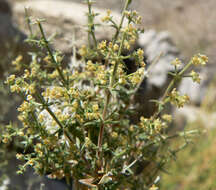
point(76, 123)
point(194, 167)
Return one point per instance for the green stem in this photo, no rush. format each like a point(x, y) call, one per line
point(42, 101)
point(91, 27)
point(176, 79)
point(113, 76)
point(28, 20)
point(51, 55)
point(121, 22)
point(108, 94)
point(100, 138)
point(112, 80)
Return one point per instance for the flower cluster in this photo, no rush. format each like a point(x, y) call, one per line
point(195, 76)
point(178, 100)
point(199, 59)
point(176, 62)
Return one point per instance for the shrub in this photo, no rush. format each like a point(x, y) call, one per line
point(77, 123)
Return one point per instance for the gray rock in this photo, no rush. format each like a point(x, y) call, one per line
point(8, 35)
point(72, 19)
point(154, 44)
point(11, 44)
point(29, 180)
point(195, 91)
point(193, 114)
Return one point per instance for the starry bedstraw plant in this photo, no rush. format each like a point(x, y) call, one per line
point(77, 123)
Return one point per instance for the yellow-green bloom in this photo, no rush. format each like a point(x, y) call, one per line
point(176, 62)
point(195, 76)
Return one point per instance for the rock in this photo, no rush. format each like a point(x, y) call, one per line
point(72, 19)
point(7, 34)
point(154, 44)
point(11, 40)
point(5, 8)
point(8, 31)
point(4, 184)
point(28, 180)
point(154, 86)
point(193, 114)
point(195, 91)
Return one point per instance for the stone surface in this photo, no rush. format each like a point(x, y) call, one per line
point(192, 114)
point(8, 33)
point(197, 92)
point(155, 44)
point(72, 19)
point(11, 44)
point(29, 180)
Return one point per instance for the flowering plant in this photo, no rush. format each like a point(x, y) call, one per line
point(77, 123)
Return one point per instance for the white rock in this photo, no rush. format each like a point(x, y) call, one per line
point(75, 13)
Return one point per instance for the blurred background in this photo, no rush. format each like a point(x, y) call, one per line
point(178, 28)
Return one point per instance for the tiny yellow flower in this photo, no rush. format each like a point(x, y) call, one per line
point(95, 107)
point(131, 128)
point(31, 162)
point(19, 156)
point(140, 52)
point(154, 187)
point(126, 45)
point(26, 73)
point(87, 141)
point(196, 60)
point(29, 97)
point(133, 39)
point(83, 50)
point(176, 62)
point(167, 117)
point(102, 45)
point(122, 81)
point(75, 104)
point(127, 13)
point(138, 20)
point(142, 64)
point(195, 76)
point(114, 135)
point(33, 71)
point(41, 118)
point(5, 140)
point(199, 59)
point(31, 88)
point(116, 47)
point(15, 88)
point(20, 133)
point(17, 61)
point(107, 17)
point(110, 45)
point(10, 79)
point(204, 59)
